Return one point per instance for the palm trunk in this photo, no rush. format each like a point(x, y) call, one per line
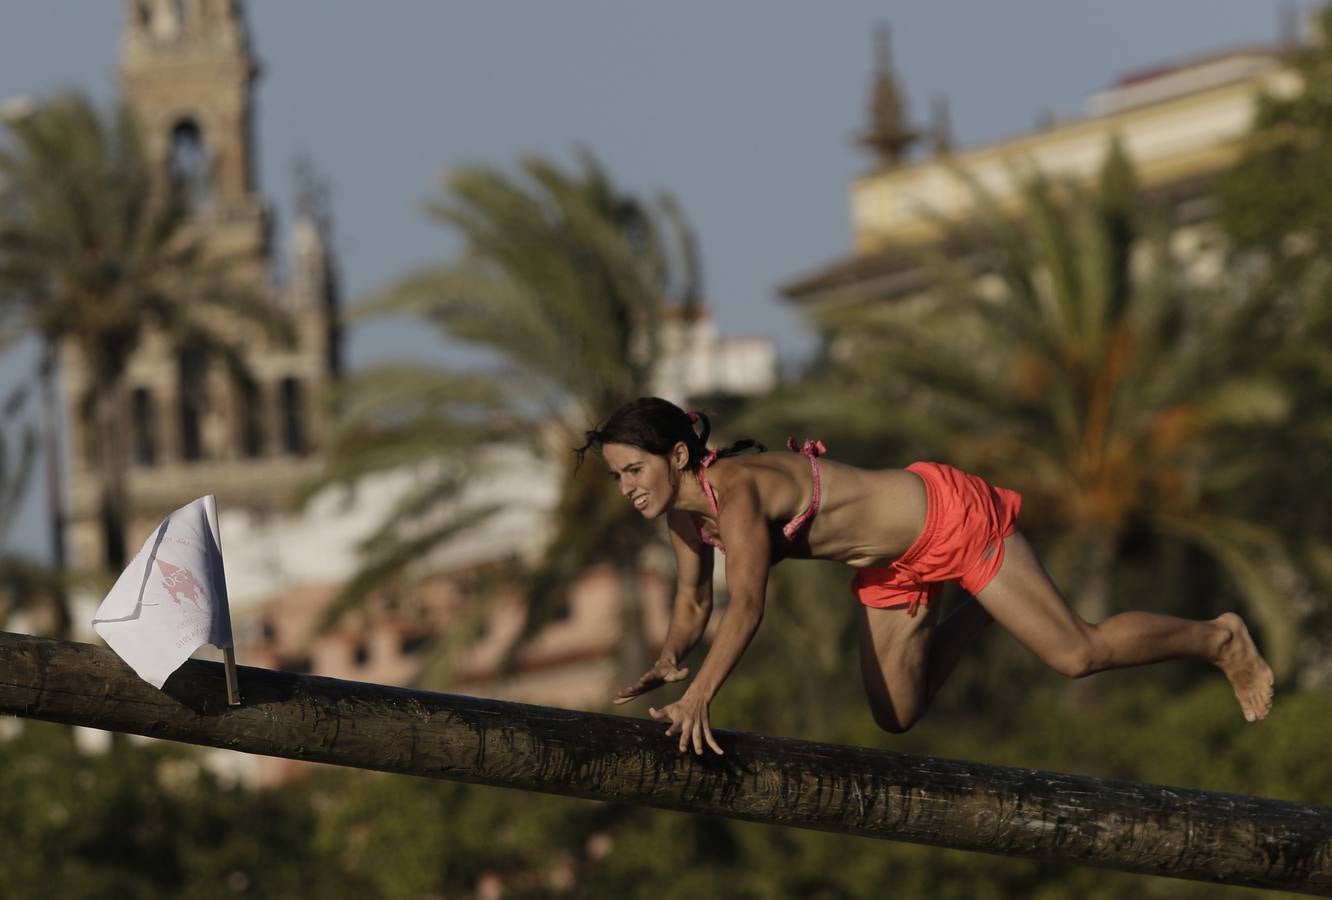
point(47, 374)
point(51, 444)
point(113, 464)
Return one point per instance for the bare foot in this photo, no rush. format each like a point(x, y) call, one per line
point(1249, 673)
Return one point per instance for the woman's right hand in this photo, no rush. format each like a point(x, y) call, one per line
point(662, 672)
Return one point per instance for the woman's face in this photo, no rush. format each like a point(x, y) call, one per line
point(646, 480)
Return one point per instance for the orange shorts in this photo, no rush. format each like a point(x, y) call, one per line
point(966, 521)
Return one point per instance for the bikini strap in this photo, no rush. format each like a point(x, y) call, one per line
point(703, 464)
point(812, 449)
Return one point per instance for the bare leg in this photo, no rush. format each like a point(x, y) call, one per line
point(894, 652)
point(1027, 604)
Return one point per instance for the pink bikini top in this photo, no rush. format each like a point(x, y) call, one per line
point(812, 449)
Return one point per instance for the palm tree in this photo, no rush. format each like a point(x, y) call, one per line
point(1069, 355)
point(96, 252)
point(561, 280)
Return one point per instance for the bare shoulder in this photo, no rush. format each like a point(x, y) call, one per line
point(767, 481)
point(739, 474)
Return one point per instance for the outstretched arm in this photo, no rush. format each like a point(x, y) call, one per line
point(690, 613)
point(748, 558)
point(693, 590)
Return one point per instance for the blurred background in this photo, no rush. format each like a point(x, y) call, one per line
point(367, 273)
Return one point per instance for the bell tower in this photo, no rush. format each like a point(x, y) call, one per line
point(188, 72)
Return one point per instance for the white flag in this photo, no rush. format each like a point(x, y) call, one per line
point(172, 598)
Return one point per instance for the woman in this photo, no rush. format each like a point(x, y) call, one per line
point(906, 532)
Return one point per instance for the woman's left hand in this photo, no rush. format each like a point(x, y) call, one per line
point(689, 719)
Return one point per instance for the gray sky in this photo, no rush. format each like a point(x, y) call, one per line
point(744, 110)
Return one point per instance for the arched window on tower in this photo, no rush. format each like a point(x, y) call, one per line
point(250, 418)
point(143, 418)
point(193, 398)
point(189, 164)
point(293, 417)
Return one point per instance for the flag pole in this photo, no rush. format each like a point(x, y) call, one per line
point(229, 667)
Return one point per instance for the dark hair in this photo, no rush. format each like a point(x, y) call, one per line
point(657, 425)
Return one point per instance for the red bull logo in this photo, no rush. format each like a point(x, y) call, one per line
point(181, 584)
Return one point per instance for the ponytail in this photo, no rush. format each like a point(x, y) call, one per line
point(734, 449)
point(742, 447)
point(696, 416)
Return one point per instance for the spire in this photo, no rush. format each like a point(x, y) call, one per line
point(310, 272)
point(314, 284)
point(889, 135)
point(309, 263)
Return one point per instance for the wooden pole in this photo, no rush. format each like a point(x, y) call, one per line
point(1200, 835)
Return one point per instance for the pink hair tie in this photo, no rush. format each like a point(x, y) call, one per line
point(693, 416)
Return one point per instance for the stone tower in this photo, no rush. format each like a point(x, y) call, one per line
point(188, 73)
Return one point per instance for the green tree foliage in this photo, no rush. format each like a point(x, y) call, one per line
point(1070, 354)
point(96, 252)
point(141, 823)
point(561, 281)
